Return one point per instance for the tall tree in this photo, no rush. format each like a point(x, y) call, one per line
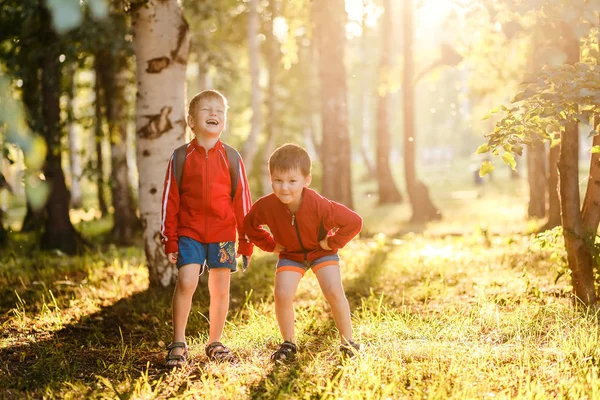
point(536, 175)
point(364, 133)
point(273, 58)
point(74, 145)
point(423, 209)
point(330, 35)
point(126, 222)
point(99, 66)
point(250, 147)
point(115, 76)
point(388, 192)
point(161, 44)
point(58, 231)
point(579, 255)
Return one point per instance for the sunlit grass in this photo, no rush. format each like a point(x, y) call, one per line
point(463, 308)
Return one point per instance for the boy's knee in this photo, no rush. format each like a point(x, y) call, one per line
point(187, 283)
point(334, 293)
point(283, 294)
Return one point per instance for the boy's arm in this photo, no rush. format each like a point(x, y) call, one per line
point(241, 205)
point(253, 226)
point(170, 211)
point(348, 222)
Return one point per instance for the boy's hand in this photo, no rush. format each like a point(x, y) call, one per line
point(324, 245)
point(278, 248)
point(245, 261)
point(172, 257)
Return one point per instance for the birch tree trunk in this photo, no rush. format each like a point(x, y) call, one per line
point(330, 35)
point(579, 256)
point(388, 192)
point(250, 147)
point(161, 43)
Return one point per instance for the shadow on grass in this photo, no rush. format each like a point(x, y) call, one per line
point(120, 341)
point(361, 286)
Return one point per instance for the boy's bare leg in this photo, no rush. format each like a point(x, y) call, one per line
point(330, 280)
point(187, 281)
point(286, 284)
point(218, 287)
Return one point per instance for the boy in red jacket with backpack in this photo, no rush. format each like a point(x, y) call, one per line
point(306, 230)
point(206, 196)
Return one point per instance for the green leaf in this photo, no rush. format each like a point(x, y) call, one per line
point(484, 148)
point(593, 132)
point(509, 159)
point(486, 168)
point(595, 150)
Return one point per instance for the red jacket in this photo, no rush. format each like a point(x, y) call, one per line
point(300, 233)
point(204, 210)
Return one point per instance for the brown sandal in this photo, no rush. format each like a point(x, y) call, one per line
point(217, 351)
point(176, 360)
point(285, 353)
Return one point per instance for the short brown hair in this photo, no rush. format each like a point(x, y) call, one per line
point(208, 94)
point(288, 157)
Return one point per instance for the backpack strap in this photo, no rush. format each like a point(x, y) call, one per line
point(178, 163)
point(233, 157)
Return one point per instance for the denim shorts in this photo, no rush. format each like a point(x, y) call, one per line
point(211, 255)
point(285, 264)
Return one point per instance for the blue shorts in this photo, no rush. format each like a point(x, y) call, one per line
point(289, 265)
point(211, 255)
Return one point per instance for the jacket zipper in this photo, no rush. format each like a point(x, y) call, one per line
point(298, 234)
point(207, 197)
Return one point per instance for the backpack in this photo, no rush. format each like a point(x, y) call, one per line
point(233, 157)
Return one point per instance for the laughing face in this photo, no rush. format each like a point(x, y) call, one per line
point(209, 119)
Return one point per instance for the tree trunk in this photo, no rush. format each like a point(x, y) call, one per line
point(330, 35)
point(591, 202)
point(363, 135)
point(59, 232)
point(273, 53)
point(388, 192)
point(161, 43)
point(114, 79)
point(35, 218)
point(99, 66)
point(250, 147)
point(536, 175)
point(553, 199)
point(423, 209)
point(74, 147)
point(579, 256)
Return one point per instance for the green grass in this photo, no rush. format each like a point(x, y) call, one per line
point(465, 308)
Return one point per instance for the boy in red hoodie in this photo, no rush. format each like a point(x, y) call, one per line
point(199, 220)
point(306, 230)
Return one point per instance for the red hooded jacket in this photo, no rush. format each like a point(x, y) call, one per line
point(301, 232)
point(202, 209)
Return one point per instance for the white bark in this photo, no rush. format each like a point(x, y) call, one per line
point(250, 147)
point(161, 46)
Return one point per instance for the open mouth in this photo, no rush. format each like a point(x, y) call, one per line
point(212, 122)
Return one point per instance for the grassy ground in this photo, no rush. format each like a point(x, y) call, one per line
point(466, 308)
